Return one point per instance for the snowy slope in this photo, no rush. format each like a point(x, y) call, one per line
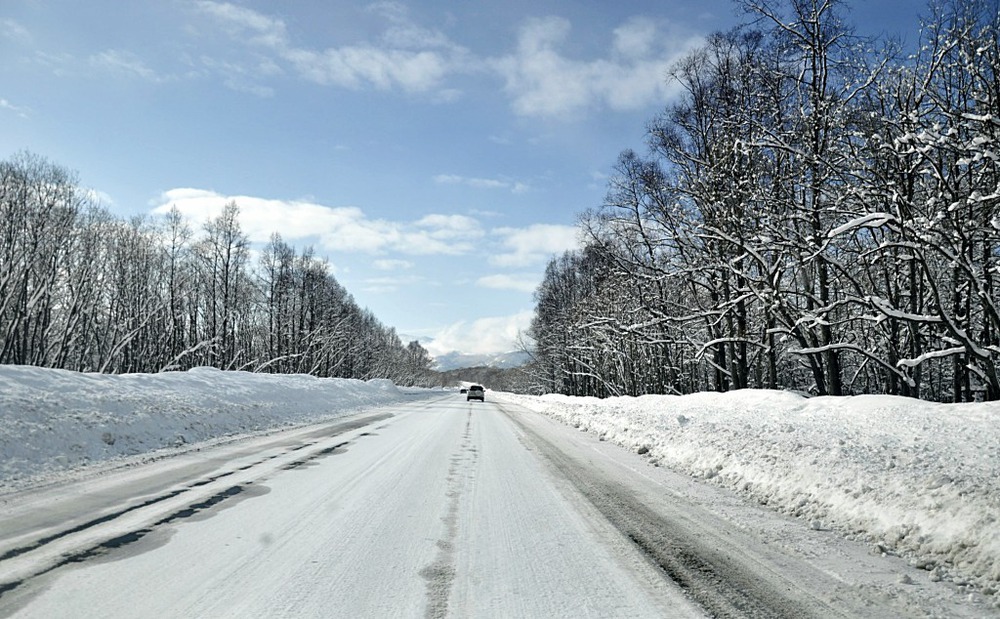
point(913, 478)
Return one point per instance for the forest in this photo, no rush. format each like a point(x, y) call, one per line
point(83, 290)
point(817, 211)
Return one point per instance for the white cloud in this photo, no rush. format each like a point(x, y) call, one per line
point(535, 244)
point(484, 336)
point(404, 33)
point(124, 62)
point(450, 224)
point(359, 66)
point(598, 180)
point(244, 78)
point(345, 228)
point(544, 82)
point(21, 111)
point(96, 196)
point(504, 281)
point(484, 213)
point(392, 265)
point(502, 140)
point(481, 183)
point(263, 30)
point(407, 56)
point(13, 31)
point(636, 38)
point(389, 284)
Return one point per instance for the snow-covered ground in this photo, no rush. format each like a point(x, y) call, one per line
point(912, 478)
point(917, 479)
point(54, 421)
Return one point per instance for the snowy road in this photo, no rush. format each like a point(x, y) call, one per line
point(431, 509)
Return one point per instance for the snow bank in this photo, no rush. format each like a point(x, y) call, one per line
point(52, 420)
point(913, 478)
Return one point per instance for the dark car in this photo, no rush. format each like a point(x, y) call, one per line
point(476, 392)
point(464, 391)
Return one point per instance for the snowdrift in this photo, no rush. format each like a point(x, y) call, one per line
point(55, 420)
point(914, 478)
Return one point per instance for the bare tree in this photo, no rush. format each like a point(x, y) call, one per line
point(39, 207)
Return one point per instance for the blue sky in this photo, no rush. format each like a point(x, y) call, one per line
point(436, 153)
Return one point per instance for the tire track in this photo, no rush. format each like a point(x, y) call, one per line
point(206, 495)
point(440, 574)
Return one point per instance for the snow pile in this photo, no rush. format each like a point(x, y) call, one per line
point(917, 479)
point(54, 420)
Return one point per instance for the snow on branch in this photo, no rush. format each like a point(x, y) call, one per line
point(934, 354)
point(871, 220)
point(888, 310)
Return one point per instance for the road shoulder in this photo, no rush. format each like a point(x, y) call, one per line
point(730, 555)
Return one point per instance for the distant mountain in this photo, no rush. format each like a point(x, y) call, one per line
point(456, 360)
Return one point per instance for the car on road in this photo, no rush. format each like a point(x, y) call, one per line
point(476, 392)
point(464, 391)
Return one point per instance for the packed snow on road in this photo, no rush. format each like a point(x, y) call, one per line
point(908, 478)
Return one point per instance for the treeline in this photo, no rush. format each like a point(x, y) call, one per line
point(816, 212)
point(85, 291)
